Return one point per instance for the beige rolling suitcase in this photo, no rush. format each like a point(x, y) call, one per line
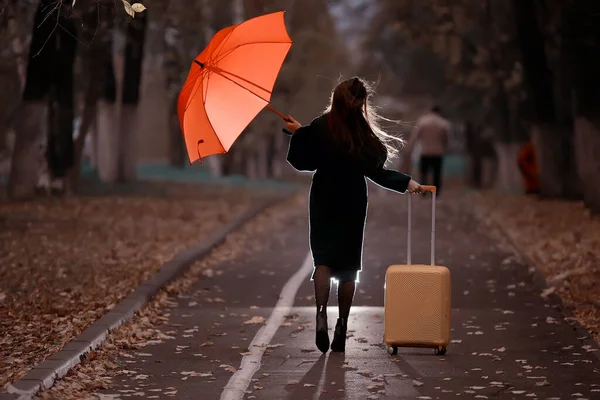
point(417, 299)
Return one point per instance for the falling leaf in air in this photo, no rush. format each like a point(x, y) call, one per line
point(128, 9)
point(138, 7)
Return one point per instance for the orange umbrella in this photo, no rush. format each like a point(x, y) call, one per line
point(230, 82)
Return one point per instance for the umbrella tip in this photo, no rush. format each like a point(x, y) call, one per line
point(199, 63)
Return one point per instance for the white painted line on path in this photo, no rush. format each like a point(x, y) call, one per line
point(238, 383)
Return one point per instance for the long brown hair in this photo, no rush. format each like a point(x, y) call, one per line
point(355, 124)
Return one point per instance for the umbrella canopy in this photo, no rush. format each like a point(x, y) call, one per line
point(230, 82)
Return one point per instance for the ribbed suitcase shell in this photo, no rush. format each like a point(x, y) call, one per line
point(418, 300)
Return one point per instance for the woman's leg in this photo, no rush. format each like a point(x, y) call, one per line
point(322, 281)
point(345, 296)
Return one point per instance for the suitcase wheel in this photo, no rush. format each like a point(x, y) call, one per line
point(392, 350)
point(439, 351)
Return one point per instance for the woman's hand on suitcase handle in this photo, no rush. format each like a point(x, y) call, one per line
point(414, 187)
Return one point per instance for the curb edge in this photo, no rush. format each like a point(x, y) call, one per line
point(43, 375)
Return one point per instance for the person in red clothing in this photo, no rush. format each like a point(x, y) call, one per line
point(528, 166)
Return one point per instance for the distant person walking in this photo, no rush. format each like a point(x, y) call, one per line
point(432, 132)
point(343, 146)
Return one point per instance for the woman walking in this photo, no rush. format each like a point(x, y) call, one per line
point(344, 145)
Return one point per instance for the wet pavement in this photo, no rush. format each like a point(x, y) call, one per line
point(507, 343)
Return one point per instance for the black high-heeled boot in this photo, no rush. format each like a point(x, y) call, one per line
point(339, 337)
point(322, 336)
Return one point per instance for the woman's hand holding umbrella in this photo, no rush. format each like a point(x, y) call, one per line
point(292, 124)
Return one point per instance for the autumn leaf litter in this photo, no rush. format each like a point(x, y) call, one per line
point(563, 240)
point(65, 263)
point(95, 374)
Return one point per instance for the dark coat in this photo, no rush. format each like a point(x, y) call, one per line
point(338, 196)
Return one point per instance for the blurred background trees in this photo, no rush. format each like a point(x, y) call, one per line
point(503, 71)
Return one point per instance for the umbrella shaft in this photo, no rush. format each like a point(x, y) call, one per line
point(277, 112)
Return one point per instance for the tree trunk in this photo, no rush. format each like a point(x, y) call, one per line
point(272, 157)
point(173, 69)
point(107, 140)
point(94, 57)
point(29, 118)
point(572, 188)
point(27, 154)
point(587, 149)
point(216, 163)
point(581, 57)
point(132, 76)
point(550, 140)
point(507, 177)
point(10, 88)
point(88, 119)
point(60, 149)
point(279, 154)
point(554, 147)
point(550, 155)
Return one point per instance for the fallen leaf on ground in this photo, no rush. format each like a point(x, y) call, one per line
point(255, 320)
point(228, 368)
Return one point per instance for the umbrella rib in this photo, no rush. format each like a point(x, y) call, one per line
point(222, 73)
point(209, 66)
point(221, 56)
point(243, 87)
point(208, 117)
point(191, 82)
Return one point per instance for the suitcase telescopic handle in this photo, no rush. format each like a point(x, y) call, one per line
point(433, 191)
